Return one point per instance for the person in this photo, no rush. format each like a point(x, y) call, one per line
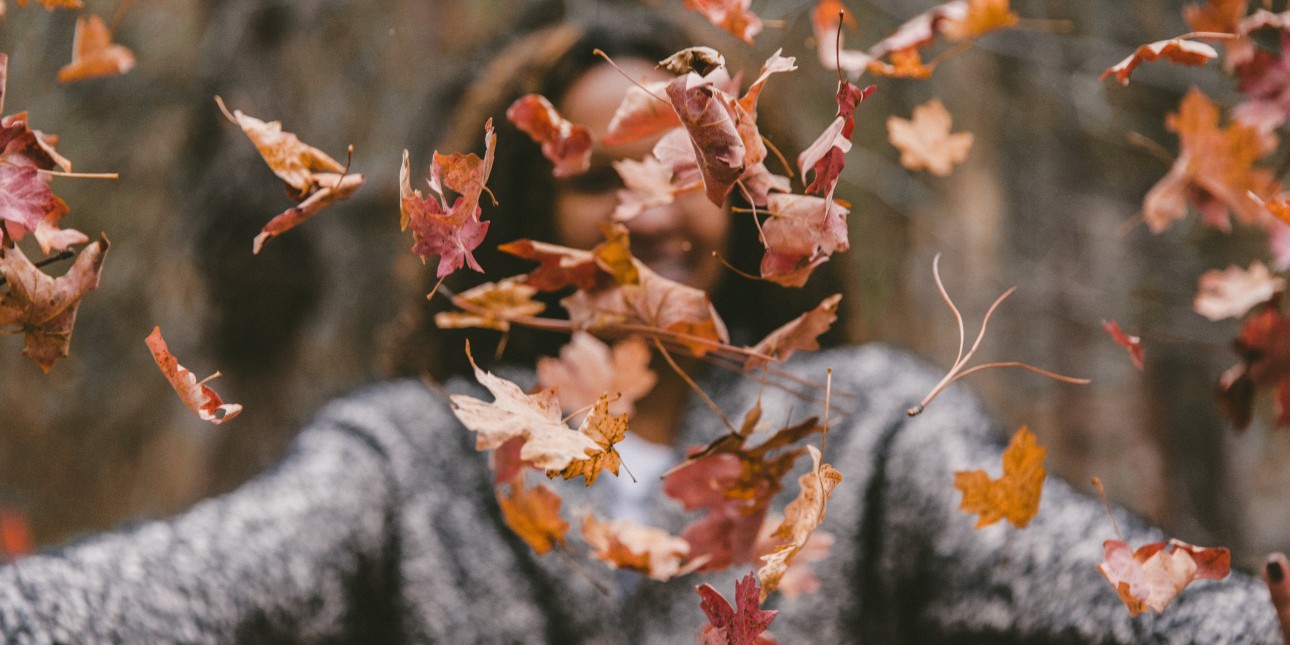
point(382, 525)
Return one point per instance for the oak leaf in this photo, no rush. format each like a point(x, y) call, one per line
point(1131, 344)
point(1232, 293)
point(565, 144)
point(624, 544)
point(1152, 576)
point(491, 305)
point(196, 396)
point(44, 307)
point(925, 140)
point(549, 444)
point(802, 516)
point(797, 334)
point(588, 368)
point(1177, 50)
point(1015, 495)
point(534, 514)
point(743, 624)
point(94, 54)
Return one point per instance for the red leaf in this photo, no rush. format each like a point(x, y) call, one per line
point(565, 144)
point(742, 624)
point(195, 394)
point(801, 234)
point(1185, 52)
point(1132, 344)
point(708, 115)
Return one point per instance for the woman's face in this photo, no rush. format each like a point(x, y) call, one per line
point(677, 240)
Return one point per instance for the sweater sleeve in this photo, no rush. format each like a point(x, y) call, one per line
point(939, 579)
point(296, 555)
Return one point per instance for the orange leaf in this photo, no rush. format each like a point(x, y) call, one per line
point(1178, 50)
point(293, 161)
point(802, 516)
point(196, 396)
point(643, 113)
point(925, 140)
point(983, 16)
point(534, 515)
point(1015, 495)
point(1232, 293)
point(1152, 576)
point(798, 333)
point(43, 307)
point(94, 54)
point(588, 368)
point(605, 430)
point(730, 15)
point(624, 544)
point(500, 302)
point(1223, 16)
point(50, 5)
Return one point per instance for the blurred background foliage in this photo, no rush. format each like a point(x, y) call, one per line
point(1047, 201)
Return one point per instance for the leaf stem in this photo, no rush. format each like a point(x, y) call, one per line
point(694, 386)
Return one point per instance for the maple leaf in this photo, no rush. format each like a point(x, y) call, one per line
point(981, 17)
point(549, 444)
point(605, 429)
point(196, 396)
point(559, 266)
point(29, 205)
point(491, 305)
point(1015, 495)
point(588, 368)
point(647, 184)
point(734, 484)
point(797, 334)
point(534, 514)
point(801, 234)
point(1232, 293)
point(624, 544)
point(565, 144)
point(1177, 50)
point(312, 178)
point(742, 624)
point(452, 232)
point(44, 307)
point(709, 117)
point(802, 516)
point(1214, 170)
point(1152, 576)
point(925, 140)
point(642, 114)
point(1131, 344)
point(94, 54)
point(730, 15)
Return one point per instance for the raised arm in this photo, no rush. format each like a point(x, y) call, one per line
point(298, 554)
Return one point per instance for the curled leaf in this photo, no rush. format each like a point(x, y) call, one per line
point(1152, 576)
point(565, 144)
point(802, 516)
point(42, 307)
point(195, 394)
point(797, 334)
point(1131, 344)
point(1178, 50)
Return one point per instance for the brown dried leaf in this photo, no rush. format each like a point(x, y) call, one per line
point(534, 515)
point(925, 141)
point(1015, 495)
point(501, 302)
point(588, 368)
point(624, 544)
point(44, 307)
point(797, 334)
point(802, 516)
point(199, 398)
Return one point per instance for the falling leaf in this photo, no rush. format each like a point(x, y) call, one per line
point(559, 266)
point(491, 305)
point(647, 184)
point(742, 624)
point(735, 485)
point(15, 534)
point(199, 398)
point(925, 140)
point(624, 544)
point(27, 205)
point(44, 307)
point(826, 156)
point(605, 429)
point(313, 178)
point(797, 334)
point(643, 113)
point(588, 368)
point(802, 233)
point(1015, 495)
point(94, 54)
point(534, 515)
point(700, 60)
point(1177, 50)
point(983, 16)
point(1232, 293)
point(708, 115)
point(905, 63)
point(565, 144)
point(1152, 576)
point(1220, 16)
point(50, 5)
point(1131, 344)
point(451, 232)
point(730, 15)
point(1214, 170)
point(549, 444)
point(1263, 345)
point(802, 516)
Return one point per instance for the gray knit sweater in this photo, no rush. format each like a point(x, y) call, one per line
point(381, 526)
